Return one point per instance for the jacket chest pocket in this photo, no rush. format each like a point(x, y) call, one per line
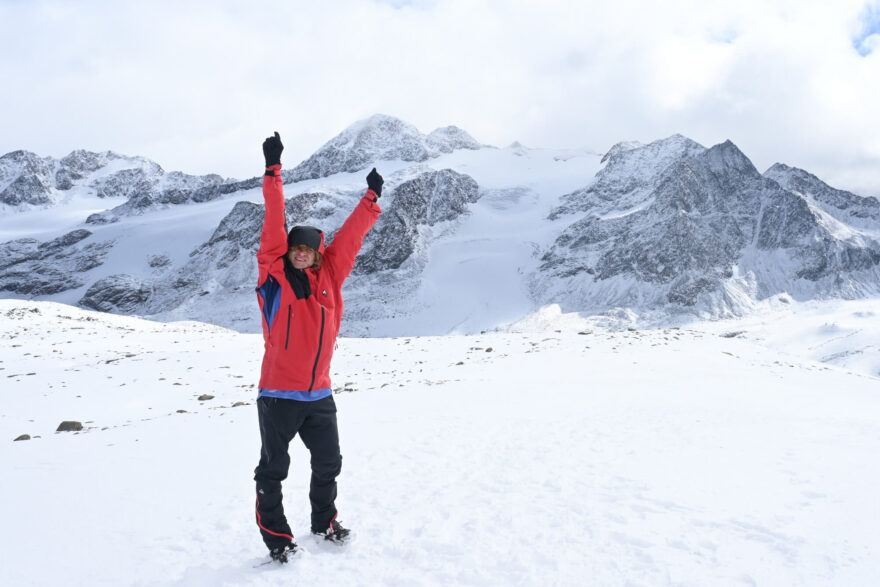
point(289, 318)
point(326, 298)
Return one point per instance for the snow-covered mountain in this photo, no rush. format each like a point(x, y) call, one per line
point(678, 226)
point(27, 180)
point(472, 237)
point(379, 138)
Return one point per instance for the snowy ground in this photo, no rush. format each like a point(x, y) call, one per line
point(554, 457)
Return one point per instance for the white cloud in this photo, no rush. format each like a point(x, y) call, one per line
point(197, 85)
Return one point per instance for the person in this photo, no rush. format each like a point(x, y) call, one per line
point(300, 299)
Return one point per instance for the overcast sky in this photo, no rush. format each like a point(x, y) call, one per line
point(196, 86)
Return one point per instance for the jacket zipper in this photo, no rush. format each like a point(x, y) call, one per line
point(287, 338)
point(320, 344)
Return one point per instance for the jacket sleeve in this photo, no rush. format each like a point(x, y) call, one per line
point(341, 253)
point(273, 239)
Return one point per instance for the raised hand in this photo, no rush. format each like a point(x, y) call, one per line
point(272, 148)
point(375, 181)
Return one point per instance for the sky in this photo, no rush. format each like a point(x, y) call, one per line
point(197, 85)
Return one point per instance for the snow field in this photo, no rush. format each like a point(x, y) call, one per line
point(664, 457)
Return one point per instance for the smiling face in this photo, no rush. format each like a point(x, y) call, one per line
point(301, 256)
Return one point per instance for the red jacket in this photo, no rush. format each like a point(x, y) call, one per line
point(300, 334)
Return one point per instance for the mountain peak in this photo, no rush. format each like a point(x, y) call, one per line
point(450, 138)
point(378, 127)
point(377, 138)
point(727, 154)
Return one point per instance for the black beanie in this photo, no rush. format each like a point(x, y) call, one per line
point(304, 235)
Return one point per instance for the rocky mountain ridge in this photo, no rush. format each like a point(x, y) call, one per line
point(675, 223)
point(665, 228)
point(28, 180)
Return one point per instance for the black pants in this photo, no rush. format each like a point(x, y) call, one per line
point(280, 421)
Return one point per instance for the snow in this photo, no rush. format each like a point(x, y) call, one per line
point(562, 452)
point(474, 276)
point(47, 223)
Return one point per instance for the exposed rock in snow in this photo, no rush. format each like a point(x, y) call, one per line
point(842, 205)
point(119, 294)
point(25, 178)
point(147, 190)
point(69, 426)
point(424, 201)
point(620, 148)
point(628, 177)
point(79, 164)
point(28, 267)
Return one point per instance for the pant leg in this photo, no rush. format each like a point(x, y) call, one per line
point(279, 420)
point(320, 434)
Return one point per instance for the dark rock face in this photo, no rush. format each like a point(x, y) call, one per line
point(674, 223)
point(430, 198)
point(158, 261)
point(147, 189)
point(25, 178)
point(78, 165)
point(127, 183)
point(842, 205)
point(69, 426)
point(118, 294)
point(33, 269)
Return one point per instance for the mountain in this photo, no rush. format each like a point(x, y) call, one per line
point(842, 205)
point(219, 272)
point(379, 138)
point(678, 226)
point(472, 237)
point(27, 180)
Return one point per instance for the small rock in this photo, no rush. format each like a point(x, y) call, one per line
point(23, 437)
point(238, 404)
point(205, 397)
point(181, 411)
point(489, 350)
point(69, 426)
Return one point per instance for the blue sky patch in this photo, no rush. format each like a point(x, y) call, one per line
point(865, 42)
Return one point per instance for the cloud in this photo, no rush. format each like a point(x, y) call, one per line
point(867, 39)
point(198, 85)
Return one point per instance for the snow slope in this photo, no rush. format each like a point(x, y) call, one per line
point(556, 456)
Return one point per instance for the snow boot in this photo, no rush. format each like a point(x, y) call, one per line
point(282, 554)
point(335, 533)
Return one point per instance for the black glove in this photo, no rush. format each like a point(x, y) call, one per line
point(272, 148)
point(375, 181)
